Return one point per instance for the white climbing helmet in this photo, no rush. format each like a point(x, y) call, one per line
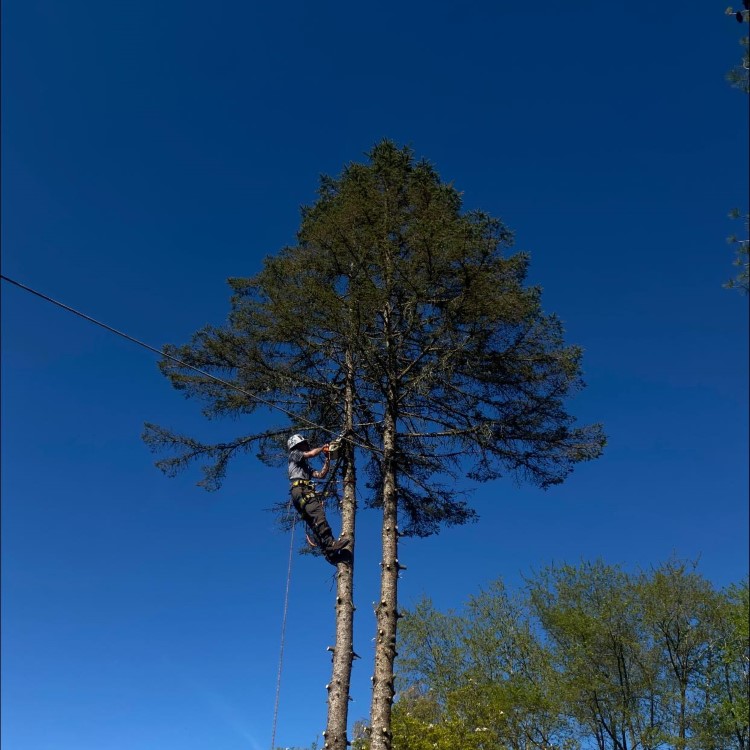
point(294, 440)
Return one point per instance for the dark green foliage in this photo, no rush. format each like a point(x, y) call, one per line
point(476, 371)
point(432, 307)
point(739, 76)
point(742, 260)
point(160, 439)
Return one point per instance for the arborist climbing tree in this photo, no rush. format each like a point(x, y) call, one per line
point(306, 500)
point(408, 319)
point(294, 351)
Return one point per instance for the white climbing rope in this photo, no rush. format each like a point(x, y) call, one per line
point(283, 631)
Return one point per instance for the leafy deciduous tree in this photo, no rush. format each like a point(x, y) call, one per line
point(593, 655)
point(723, 715)
point(677, 603)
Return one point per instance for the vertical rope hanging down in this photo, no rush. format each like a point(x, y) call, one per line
point(283, 632)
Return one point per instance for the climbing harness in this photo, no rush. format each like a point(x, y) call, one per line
point(333, 451)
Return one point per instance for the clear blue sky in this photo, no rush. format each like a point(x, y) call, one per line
point(151, 150)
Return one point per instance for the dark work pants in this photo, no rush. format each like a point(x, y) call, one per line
point(309, 506)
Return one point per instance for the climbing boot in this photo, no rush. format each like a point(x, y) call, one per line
point(338, 552)
point(337, 546)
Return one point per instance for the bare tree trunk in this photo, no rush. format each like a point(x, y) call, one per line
point(343, 651)
point(386, 609)
point(682, 741)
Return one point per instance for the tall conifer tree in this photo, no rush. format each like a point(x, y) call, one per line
point(451, 366)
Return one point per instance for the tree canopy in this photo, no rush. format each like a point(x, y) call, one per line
point(588, 655)
point(433, 307)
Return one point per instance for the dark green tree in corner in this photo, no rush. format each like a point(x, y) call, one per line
point(425, 341)
point(739, 78)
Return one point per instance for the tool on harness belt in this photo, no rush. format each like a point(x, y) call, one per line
point(299, 482)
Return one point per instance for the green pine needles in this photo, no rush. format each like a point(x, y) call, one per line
point(433, 307)
point(407, 321)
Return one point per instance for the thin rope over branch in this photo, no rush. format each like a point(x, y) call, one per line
point(283, 631)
